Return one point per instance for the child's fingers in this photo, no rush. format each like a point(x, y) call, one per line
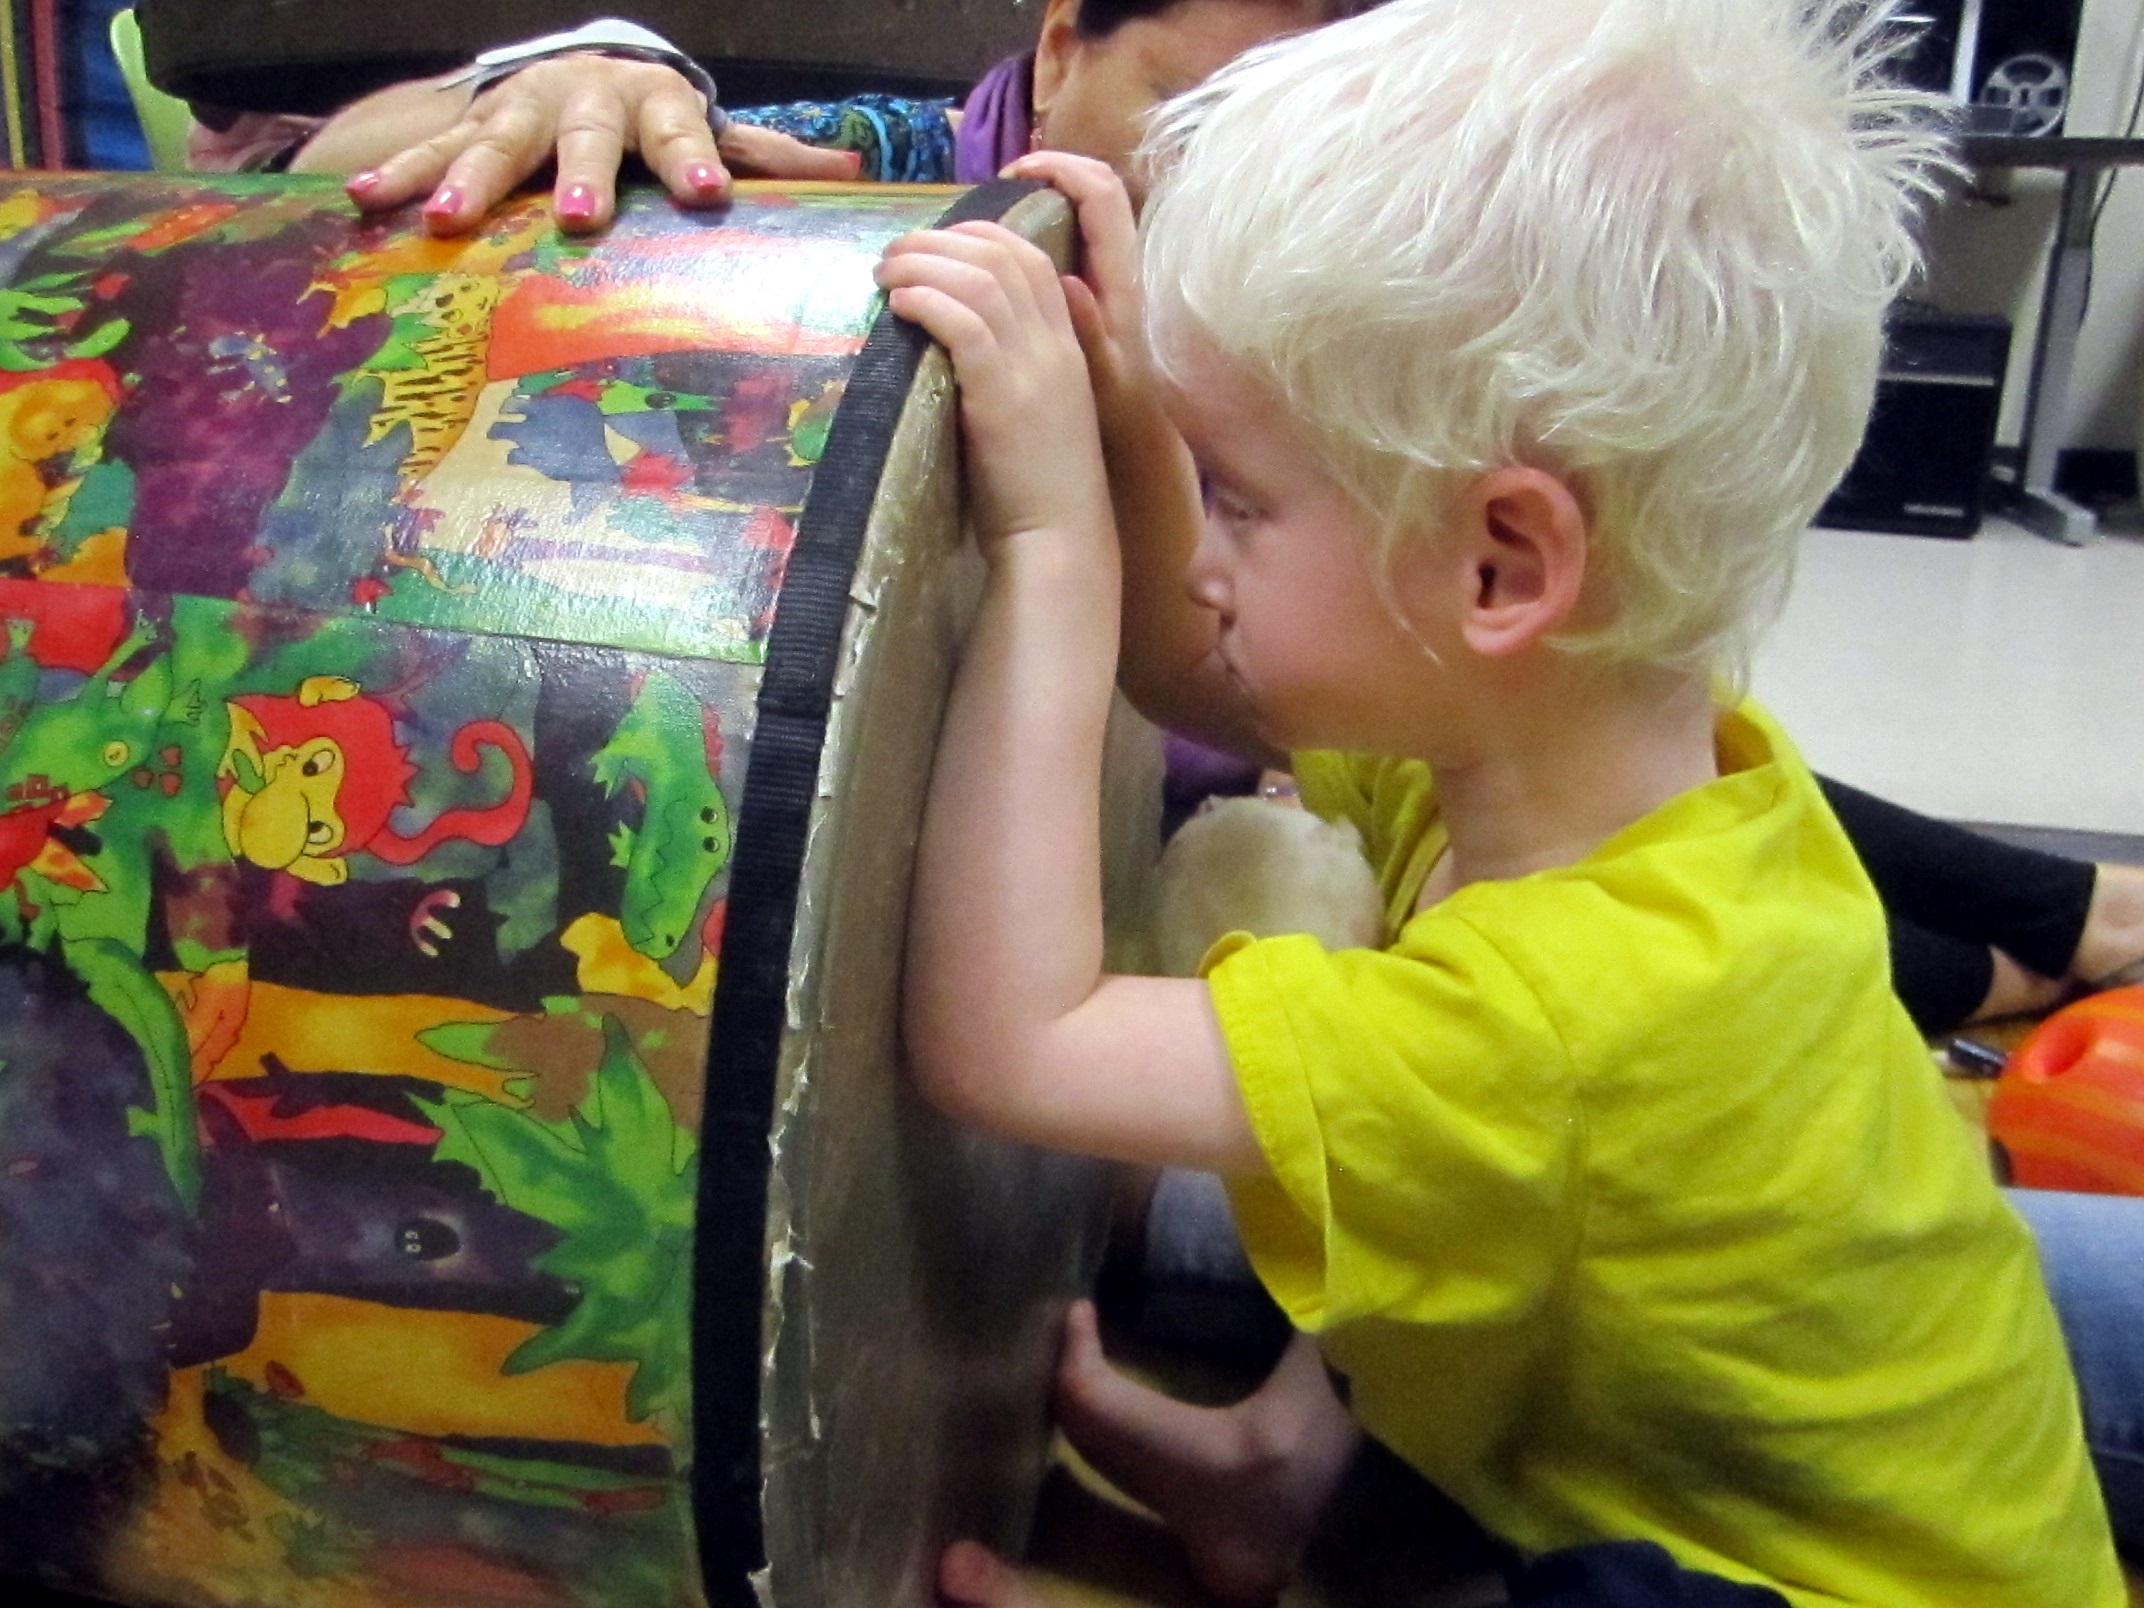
point(1065, 169)
point(1009, 281)
point(1088, 323)
point(948, 320)
point(1082, 1343)
point(1107, 227)
point(974, 286)
point(1038, 274)
point(1021, 266)
point(970, 1575)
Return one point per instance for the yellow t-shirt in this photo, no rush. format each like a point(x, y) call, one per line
point(1632, 1207)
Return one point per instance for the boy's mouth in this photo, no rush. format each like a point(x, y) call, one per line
point(1228, 663)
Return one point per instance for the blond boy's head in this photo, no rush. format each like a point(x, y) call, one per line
point(1645, 245)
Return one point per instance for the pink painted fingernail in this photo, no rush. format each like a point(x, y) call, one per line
point(705, 177)
point(445, 203)
point(577, 203)
point(856, 162)
point(362, 183)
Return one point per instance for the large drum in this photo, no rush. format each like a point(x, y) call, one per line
point(464, 714)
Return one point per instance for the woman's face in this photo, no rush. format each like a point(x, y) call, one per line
point(1092, 96)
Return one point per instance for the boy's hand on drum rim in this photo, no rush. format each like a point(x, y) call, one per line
point(1104, 298)
point(997, 305)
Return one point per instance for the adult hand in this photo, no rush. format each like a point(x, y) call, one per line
point(588, 110)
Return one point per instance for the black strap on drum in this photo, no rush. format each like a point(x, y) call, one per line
point(752, 983)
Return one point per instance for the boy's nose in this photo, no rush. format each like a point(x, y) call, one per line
point(1206, 578)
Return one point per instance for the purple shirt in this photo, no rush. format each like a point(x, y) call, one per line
point(994, 127)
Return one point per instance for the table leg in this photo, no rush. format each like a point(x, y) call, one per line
point(2054, 357)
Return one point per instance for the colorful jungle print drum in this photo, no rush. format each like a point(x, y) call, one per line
point(464, 713)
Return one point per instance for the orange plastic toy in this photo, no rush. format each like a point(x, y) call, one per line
point(2068, 1111)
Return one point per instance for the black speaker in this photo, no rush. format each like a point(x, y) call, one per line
point(1923, 465)
point(1930, 60)
point(2007, 62)
point(2024, 55)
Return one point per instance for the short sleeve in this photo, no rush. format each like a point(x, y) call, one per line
point(1418, 1116)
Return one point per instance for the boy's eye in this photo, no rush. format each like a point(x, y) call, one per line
point(1222, 504)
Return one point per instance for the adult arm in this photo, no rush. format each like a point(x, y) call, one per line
point(466, 152)
point(1011, 1021)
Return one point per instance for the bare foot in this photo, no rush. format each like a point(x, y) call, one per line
point(2113, 926)
point(1241, 1486)
point(970, 1575)
point(2015, 991)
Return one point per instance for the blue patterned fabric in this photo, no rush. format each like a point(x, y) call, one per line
point(901, 141)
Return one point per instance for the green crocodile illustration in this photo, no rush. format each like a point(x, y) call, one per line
point(664, 753)
point(108, 727)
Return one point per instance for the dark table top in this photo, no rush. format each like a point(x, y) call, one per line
point(2045, 151)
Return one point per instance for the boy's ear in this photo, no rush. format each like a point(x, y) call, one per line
point(1054, 48)
point(1523, 535)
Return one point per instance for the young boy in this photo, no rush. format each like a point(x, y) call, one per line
point(1514, 344)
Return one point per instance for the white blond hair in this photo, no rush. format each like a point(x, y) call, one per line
point(1645, 244)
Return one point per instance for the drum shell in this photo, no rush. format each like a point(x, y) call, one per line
point(365, 1300)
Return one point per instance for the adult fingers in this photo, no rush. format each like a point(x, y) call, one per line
point(412, 172)
point(678, 146)
point(509, 141)
point(770, 154)
point(464, 168)
point(593, 130)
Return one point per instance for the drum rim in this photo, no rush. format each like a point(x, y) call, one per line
point(750, 1014)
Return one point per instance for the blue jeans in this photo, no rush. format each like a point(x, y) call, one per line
point(2092, 1251)
point(1199, 1289)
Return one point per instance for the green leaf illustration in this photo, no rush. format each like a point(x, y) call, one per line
point(618, 1178)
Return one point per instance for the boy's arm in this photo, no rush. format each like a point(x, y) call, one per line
point(1169, 667)
point(1011, 1022)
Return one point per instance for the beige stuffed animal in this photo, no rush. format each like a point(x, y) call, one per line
point(1258, 866)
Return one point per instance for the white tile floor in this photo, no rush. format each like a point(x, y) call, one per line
point(1994, 680)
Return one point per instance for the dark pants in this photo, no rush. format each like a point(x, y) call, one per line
point(1627, 1574)
point(1950, 895)
point(1389, 1527)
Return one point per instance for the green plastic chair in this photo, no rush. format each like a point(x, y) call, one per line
point(164, 118)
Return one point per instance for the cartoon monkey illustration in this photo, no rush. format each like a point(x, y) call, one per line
point(312, 778)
